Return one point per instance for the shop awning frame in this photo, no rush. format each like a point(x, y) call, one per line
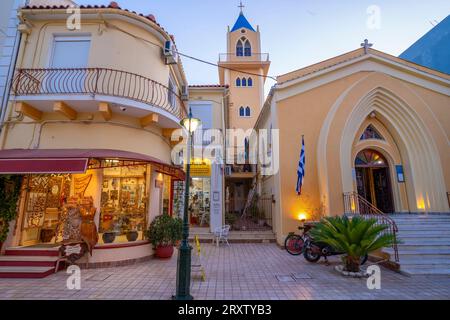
point(47, 161)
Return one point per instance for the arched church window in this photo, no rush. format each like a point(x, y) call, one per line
point(247, 49)
point(247, 112)
point(238, 82)
point(371, 133)
point(250, 82)
point(370, 158)
point(244, 82)
point(239, 48)
point(241, 112)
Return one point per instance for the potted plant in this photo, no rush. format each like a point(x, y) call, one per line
point(164, 233)
point(356, 237)
point(129, 229)
point(9, 196)
point(108, 236)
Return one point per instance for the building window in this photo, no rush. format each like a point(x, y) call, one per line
point(250, 82)
point(239, 48)
point(247, 49)
point(171, 93)
point(244, 82)
point(371, 133)
point(70, 52)
point(241, 112)
point(247, 112)
point(238, 82)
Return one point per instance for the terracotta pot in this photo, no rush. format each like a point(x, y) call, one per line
point(132, 236)
point(164, 252)
point(109, 237)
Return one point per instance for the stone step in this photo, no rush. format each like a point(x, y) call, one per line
point(426, 270)
point(419, 260)
point(27, 251)
point(424, 241)
point(32, 261)
point(25, 272)
point(418, 251)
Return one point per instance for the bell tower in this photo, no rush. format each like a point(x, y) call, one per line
point(243, 68)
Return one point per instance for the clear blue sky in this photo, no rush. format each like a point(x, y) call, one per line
point(295, 33)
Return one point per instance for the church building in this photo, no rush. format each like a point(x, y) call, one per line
point(376, 132)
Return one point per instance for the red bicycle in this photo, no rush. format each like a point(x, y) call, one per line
point(294, 243)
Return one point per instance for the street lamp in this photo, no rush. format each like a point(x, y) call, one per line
point(184, 253)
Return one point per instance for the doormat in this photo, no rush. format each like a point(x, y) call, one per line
point(99, 277)
point(285, 278)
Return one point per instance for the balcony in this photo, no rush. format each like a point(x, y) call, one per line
point(81, 88)
point(255, 57)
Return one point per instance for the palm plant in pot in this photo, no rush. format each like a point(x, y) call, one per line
point(355, 237)
point(164, 233)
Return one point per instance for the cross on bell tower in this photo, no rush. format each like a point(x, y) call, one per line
point(366, 45)
point(241, 6)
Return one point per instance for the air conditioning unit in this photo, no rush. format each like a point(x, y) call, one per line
point(185, 93)
point(170, 53)
point(227, 170)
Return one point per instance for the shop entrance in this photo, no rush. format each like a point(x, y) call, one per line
point(43, 208)
point(373, 181)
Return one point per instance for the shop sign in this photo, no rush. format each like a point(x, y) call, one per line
point(200, 170)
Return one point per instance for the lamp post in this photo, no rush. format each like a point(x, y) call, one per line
point(184, 253)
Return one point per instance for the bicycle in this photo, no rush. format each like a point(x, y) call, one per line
point(294, 243)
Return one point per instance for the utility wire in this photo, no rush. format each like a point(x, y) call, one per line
point(188, 56)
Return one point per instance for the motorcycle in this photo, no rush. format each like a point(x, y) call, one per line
point(313, 251)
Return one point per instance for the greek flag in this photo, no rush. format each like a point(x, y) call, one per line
point(301, 169)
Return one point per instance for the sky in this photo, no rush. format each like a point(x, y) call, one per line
point(295, 33)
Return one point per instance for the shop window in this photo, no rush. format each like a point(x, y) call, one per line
point(124, 202)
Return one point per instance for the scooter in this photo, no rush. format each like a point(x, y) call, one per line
point(313, 251)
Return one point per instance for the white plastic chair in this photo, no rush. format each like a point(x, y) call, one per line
point(221, 234)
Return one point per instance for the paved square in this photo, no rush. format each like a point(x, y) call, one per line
point(241, 271)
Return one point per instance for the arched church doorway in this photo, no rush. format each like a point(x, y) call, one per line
point(373, 181)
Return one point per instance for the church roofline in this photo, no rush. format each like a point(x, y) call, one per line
point(358, 54)
point(242, 22)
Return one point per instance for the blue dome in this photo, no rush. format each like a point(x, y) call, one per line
point(242, 22)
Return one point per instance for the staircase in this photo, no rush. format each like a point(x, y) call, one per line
point(29, 263)
point(425, 247)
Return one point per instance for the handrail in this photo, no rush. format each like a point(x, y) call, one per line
point(255, 56)
point(354, 204)
point(101, 81)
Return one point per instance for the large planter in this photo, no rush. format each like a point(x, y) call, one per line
point(109, 237)
point(164, 252)
point(132, 236)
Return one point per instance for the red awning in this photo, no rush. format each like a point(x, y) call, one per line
point(23, 161)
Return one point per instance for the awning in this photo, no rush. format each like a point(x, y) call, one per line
point(27, 161)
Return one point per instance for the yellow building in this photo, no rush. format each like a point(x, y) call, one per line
point(93, 104)
point(376, 127)
point(243, 68)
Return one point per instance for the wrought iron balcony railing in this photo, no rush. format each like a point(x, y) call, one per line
point(100, 81)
